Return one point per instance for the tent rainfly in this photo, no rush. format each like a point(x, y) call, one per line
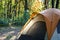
point(43, 23)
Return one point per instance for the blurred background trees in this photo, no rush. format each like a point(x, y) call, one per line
point(17, 12)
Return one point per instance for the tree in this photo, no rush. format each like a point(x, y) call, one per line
point(26, 14)
point(53, 3)
point(57, 3)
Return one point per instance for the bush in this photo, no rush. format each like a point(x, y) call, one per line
point(4, 23)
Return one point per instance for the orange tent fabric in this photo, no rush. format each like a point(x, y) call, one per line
point(52, 16)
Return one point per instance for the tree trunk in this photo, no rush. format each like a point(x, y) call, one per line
point(53, 3)
point(25, 10)
point(46, 3)
point(57, 3)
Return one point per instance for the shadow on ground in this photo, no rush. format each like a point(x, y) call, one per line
point(9, 33)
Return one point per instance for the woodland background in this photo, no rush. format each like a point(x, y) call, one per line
point(17, 12)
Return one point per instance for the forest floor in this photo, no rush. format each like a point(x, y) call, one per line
point(9, 33)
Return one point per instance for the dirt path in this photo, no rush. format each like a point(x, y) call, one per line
point(9, 33)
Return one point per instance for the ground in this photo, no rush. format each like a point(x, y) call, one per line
point(9, 33)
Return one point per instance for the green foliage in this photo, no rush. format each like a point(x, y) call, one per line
point(13, 11)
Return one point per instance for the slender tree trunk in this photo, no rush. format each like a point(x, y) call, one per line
point(46, 3)
point(26, 5)
point(25, 8)
point(57, 3)
point(16, 1)
point(18, 8)
point(26, 14)
point(5, 10)
point(14, 10)
point(52, 3)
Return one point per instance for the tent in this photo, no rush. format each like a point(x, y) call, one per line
point(52, 18)
point(42, 26)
